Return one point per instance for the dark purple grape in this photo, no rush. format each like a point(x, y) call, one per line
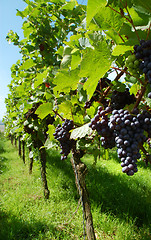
point(62, 134)
point(149, 95)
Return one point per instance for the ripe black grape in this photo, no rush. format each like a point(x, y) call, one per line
point(143, 54)
point(120, 99)
point(62, 134)
point(126, 131)
point(100, 124)
point(149, 95)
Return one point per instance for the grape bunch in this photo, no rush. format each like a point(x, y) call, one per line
point(132, 63)
point(62, 134)
point(143, 54)
point(126, 131)
point(100, 124)
point(121, 99)
point(128, 136)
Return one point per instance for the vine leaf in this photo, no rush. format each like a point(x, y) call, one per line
point(81, 132)
point(94, 65)
point(27, 64)
point(70, 5)
point(43, 110)
point(40, 77)
point(121, 49)
point(65, 109)
point(66, 57)
point(146, 5)
point(93, 8)
point(135, 88)
point(65, 80)
point(51, 130)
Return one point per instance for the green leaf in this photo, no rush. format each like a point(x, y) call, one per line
point(70, 5)
point(91, 111)
point(94, 65)
point(40, 78)
point(51, 130)
point(66, 80)
point(118, 86)
point(21, 88)
point(65, 61)
point(146, 5)
point(27, 64)
point(65, 109)
point(66, 57)
point(139, 19)
point(93, 7)
point(76, 59)
point(121, 49)
point(107, 19)
point(49, 143)
point(43, 110)
point(20, 13)
point(81, 132)
point(27, 28)
point(135, 88)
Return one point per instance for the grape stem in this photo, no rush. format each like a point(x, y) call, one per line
point(128, 19)
point(148, 31)
point(128, 73)
point(120, 74)
point(143, 89)
point(63, 119)
point(116, 79)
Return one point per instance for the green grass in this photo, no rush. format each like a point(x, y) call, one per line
point(121, 205)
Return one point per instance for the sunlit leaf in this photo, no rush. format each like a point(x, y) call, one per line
point(27, 64)
point(43, 110)
point(81, 132)
point(93, 7)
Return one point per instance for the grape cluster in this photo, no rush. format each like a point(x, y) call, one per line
point(100, 124)
point(132, 63)
point(124, 130)
point(128, 136)
point(121, 99)
point(62, 134)
point(143, 53)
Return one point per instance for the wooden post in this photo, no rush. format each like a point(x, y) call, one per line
point(23, 145)
point(43, 169)
point(19, 146)
point(80, 171)
point(31, 162)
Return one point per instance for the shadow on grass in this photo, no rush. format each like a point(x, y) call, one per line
point(119, 195)
point(111, 193)
point(12, 228)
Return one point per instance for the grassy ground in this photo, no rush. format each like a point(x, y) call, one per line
point(121, 205)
